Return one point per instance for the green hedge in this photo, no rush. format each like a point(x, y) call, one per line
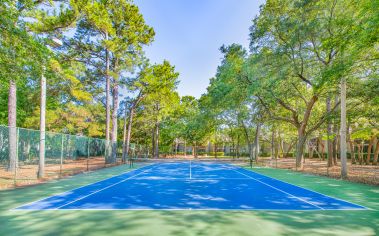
point(210, 153)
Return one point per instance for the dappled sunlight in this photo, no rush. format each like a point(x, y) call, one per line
point(170, 186)
point(188, 222)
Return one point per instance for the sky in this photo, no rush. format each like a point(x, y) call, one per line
point(189, 34)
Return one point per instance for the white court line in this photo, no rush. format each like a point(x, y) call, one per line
point(228, 167)
point(188, 209)
point(102, 189)
point(55, 195)
point(365, 208)
point(280, 190)
point(166, 178)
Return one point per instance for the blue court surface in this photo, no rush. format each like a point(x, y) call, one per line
point(190, 185)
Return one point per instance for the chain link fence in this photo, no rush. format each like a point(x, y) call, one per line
point(368, 174)
point(64, 155)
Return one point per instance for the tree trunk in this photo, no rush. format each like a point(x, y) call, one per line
point(256, 142)
point(107, 104)
point(351, 145)
point(124, 155)
point(185, 148)
point(114, 122)
point(300, 148)
point(176, 147)
point(249, 146)
point(272, 144)
point(289, 149)
point(343, 148)
point(360, 152)
point(352, 153)
point(156, 152)
point(329, 134)
point(376, 154)
point(281, 146)
point(215, 149)
point(12, 118)
point(153, 142)
point(369, 150)
point(194, 150)
point(238, 146)
point(251, 153)
point(41, 166)
point(322, 148)
point(128, 133)
point(335, 138)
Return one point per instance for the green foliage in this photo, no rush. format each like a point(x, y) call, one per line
point(299, 52)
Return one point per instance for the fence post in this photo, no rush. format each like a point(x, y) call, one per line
point(88, 154)
point(16, 161)
point(61, 161)
point(105, 153)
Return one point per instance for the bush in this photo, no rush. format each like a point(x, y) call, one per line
point(264, 154)
point(210, 153)
point(290, 154)
point(241, 154)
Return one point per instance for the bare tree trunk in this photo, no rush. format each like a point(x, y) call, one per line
point(368, 158)
point(195, 150)
point(289, 148)
point(352, 152)
point(124, 155)
point(156, 153)
point(12, 118)
point(277, 147)
point(300, 148)
point(343, 148)
point(107, 103)
point(335, 139)
point(215, 149)
point(329, 134)
point(322, 148)
point(376, 154)
point(153, 142)
point(114, 121)
point(238, 146)
point(351, 145)
point(249, 145)
point(185, 148)
point(360, 152)
point(41, 166)
point(128, 135)
point(272, 144)
point(176, 146)
point(256, 141)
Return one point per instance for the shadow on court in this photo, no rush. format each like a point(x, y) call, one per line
point(192, 222)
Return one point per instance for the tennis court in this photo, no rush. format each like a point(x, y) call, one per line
point(190, 185)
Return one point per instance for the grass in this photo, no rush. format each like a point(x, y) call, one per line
point(192, 222)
